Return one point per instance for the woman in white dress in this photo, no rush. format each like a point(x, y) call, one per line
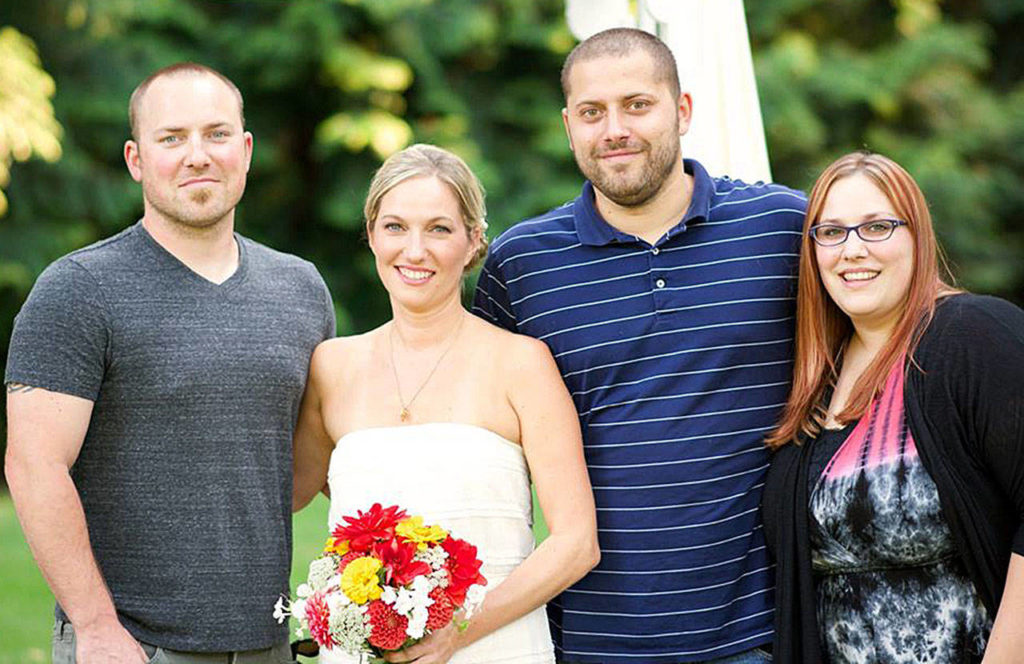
point(450, 417)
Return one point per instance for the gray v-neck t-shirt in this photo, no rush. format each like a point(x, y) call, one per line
point(185, 473)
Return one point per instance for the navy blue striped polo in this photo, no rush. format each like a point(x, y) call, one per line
point(678, 357)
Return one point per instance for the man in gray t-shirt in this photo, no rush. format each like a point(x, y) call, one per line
point(153, 384)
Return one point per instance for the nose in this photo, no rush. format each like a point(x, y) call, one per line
point(415, 249)
point(196, 157)
point(615, 126)
point(854, 247)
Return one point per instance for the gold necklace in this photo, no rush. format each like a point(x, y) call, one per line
point(404, 414)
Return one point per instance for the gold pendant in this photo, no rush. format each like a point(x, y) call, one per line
point(405, 414)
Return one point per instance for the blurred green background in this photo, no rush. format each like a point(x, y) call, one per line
point(334, 86)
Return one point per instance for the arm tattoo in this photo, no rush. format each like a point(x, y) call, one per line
point(18, 387)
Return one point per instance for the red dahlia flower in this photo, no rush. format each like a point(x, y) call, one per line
point(387, 627)
point(397, 562)
point(463, 568)
point(362, 530)
point(441, 611)
point(317, 615)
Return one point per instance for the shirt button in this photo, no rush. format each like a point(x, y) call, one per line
point(655, 251)
point(660, 283)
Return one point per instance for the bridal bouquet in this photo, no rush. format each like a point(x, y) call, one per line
point(384, 581)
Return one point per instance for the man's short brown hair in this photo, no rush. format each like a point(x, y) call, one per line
point(179, 68)
point(620, 42)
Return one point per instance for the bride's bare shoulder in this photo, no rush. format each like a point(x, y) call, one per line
point(515, 351)
point(342, 355)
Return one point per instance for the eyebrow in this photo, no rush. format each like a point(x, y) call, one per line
point(870, 216)
point(177, 130)
point(625, 97)
point(401, 218)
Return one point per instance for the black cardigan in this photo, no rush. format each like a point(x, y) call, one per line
point(964, 400)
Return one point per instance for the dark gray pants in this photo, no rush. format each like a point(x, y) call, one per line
point(64, 652)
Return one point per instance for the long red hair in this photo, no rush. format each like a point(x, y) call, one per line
point(822, 329)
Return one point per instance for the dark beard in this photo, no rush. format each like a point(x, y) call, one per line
point(660, 162)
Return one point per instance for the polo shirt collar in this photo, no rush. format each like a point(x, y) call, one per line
point(593, 230)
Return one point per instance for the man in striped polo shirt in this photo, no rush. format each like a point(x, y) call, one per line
point(667, 298)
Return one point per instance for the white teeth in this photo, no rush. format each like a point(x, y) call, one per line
point(413, 274)
point(859, 276)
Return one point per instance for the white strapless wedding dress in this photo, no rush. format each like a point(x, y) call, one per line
point(470, 481)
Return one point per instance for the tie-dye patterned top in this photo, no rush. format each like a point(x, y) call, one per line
point(890, 584)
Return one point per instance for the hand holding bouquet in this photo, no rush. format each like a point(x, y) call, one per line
point(385, 581)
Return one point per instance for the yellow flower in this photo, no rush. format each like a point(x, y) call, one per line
point(335, 545)
point(413, 530)
point(359, 581)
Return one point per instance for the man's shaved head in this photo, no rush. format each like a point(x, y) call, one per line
point(620, 42)
point(178, 69)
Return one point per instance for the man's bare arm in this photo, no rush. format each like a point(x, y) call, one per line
point(45, 432)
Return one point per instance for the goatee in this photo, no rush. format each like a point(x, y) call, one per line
point(660, 159)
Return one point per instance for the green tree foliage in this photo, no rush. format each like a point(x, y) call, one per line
point(937, 85)
point(27, 125)
point(333, 86)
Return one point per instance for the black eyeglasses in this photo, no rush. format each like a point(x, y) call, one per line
point(876, 230)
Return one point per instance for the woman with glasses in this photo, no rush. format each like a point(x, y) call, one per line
point(894, 502)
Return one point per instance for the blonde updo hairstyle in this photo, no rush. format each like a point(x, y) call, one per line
point(422, 160)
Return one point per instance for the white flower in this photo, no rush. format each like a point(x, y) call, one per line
point(435, 556)
point(418, 622)
point(474, 598)
point(439, 578)
point(280, 610)
point(320, 572)
point(405, 602)
point(304, 590)
point(349, 628)
point(388, 595)
point(298, 610)
point(336, 601)
point(421, 584)
point(416, 596)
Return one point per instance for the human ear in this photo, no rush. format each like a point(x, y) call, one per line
point(565, 123)
point(132, 160)
point(685, 110)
